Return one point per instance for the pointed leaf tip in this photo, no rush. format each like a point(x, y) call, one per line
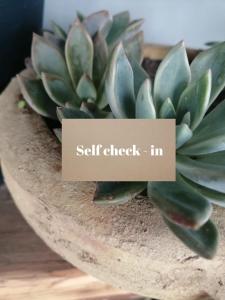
point(79, 52)
point(180, 203)
point(172, 76)
point(120, 84)
point(144, 105)
point(167, 110)
point(195, 99)
point(35, 95)
point(203, 241)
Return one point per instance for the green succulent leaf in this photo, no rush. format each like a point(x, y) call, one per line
point(180, 203)
point(58, 134)
point(212, 43)
point(167, 110)
point(120, 23)
point(100, 58)
point(120, 85)
point(58, 31)
point(144, 105)
point(212, 196)
point(79, 52)
point(213, 158)
point(172, 76)
point(209, 136)
point(213, 59)
point(55, 41)
point(203, 241)
point(195, 99)
point(210, 175)
point(139, 73)
point(109, 193)
point(70, 113)
point(59, 90)
point(35, 95)
point(93, 111)
point(186, 119)
point(102, 100)
point(80, 16)
point(98, 22)
point(183, 134)
point(134, 46)
point(86, 89)
point(47, 58)
point(132, 28)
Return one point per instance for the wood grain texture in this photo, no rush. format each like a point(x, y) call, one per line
point(29, 270)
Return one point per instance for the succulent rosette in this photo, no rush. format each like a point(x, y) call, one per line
point(95, 71)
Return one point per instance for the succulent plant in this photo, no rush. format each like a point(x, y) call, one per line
point(184, 92)
point(69, 69)
point(95, 71)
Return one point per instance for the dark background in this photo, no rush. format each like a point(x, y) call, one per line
point(18, 20)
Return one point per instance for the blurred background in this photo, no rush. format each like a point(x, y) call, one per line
point(166, 21)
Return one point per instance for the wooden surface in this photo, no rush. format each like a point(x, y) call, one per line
point(158, 52)
point(29, 270)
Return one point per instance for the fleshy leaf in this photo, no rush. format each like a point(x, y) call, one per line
point(58, 133)
point(172, 76)
point(70, 113)
point(140, 74)
point(100, 58)
point(93, 111)
point(35, 95)
point(213, 158)
point(167, 110)
point(183, 134)
point(120, 85)
point(55, 41)
point(180, 203)
point(144, 105)
point(109, 193)
point(209, 136)
point(59, 90)
point(98, 22)
point(212, 196)
point(195, 99)
point(86, 89)
point(102, 100)
point(210, 175)
point(212, 43)
point(120, 23)
point(203, 241)
point(47, 58)
point(59, 32)
point(134, 46)
point(79, 52)
point(132, 28)
point(80, 16)
point(213, 59)
point(186, 119)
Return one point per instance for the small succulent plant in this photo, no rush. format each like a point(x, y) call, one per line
point(183, 92)
point(69, 69)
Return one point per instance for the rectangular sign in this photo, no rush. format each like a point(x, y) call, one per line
point(118, 150)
